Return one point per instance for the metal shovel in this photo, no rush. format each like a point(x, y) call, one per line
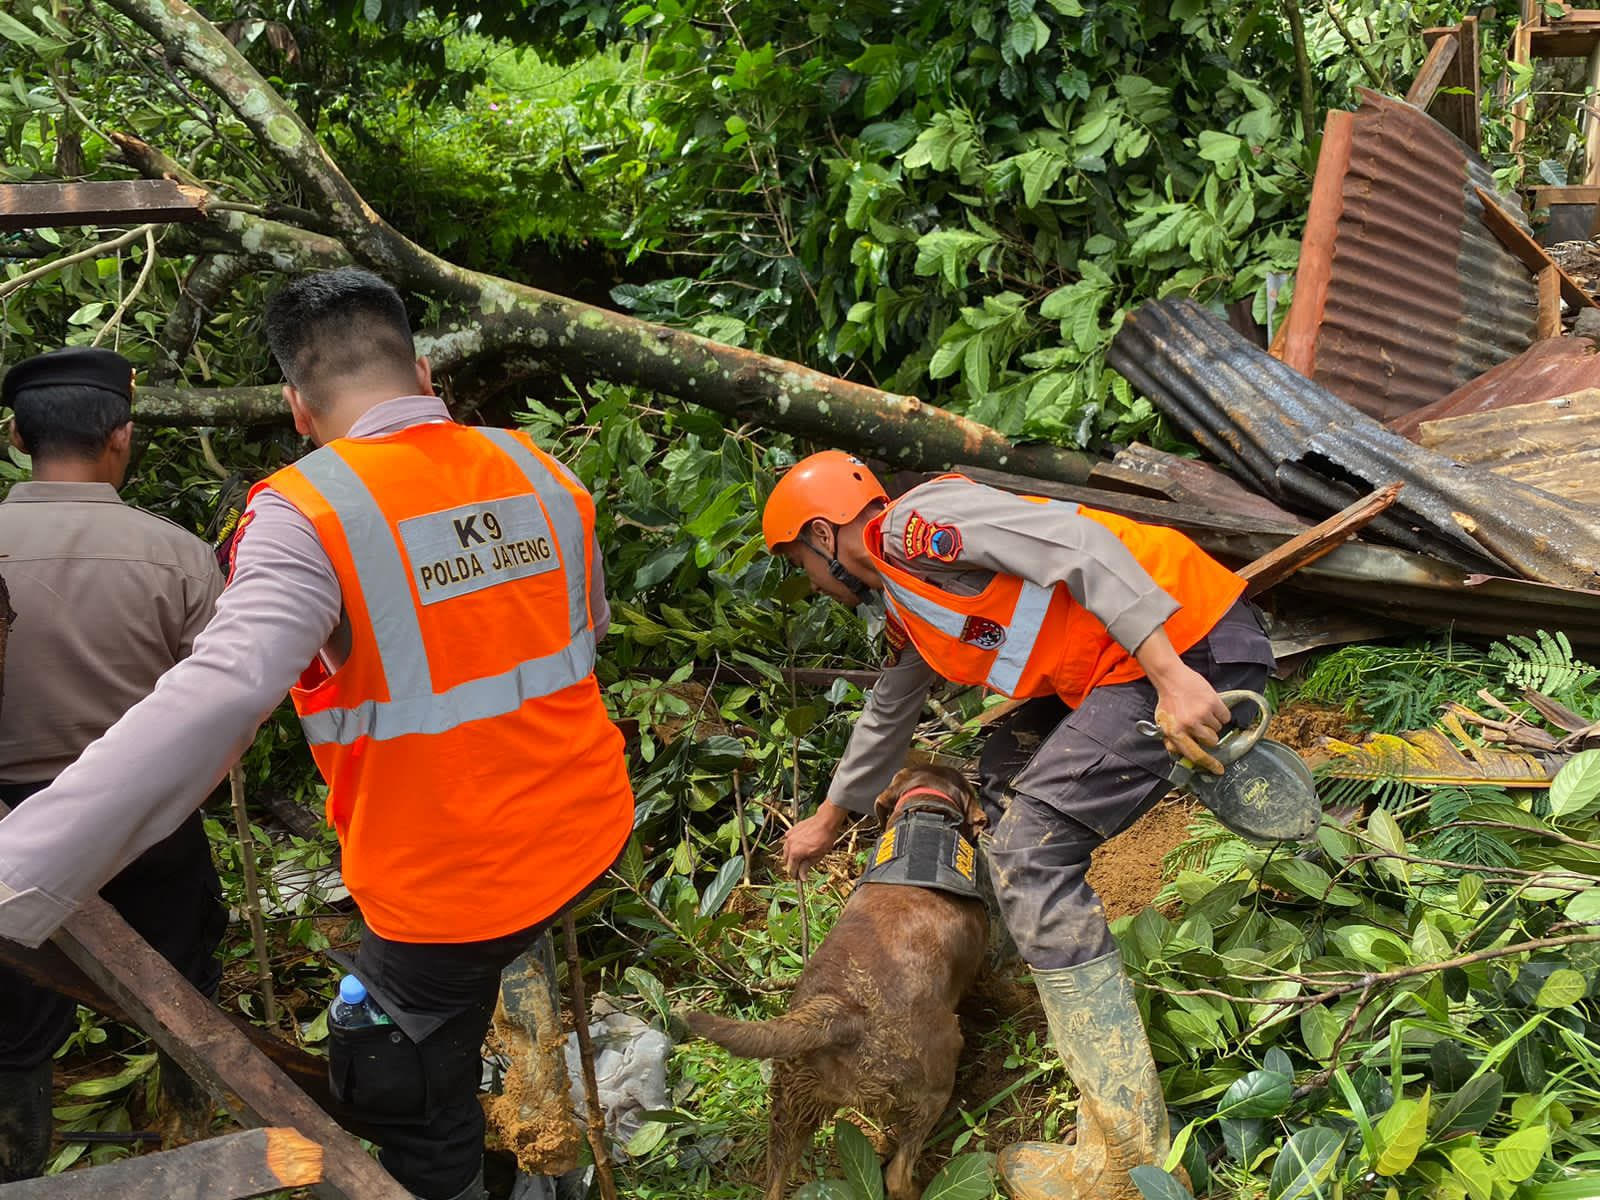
point(1265, 792)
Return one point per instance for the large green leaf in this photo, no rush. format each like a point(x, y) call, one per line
point(1257, 1094)
point(720, 888)
point(1470, 1109)
point(1311, 880)
point(969, 1177)
point(1476, 1173)
point(1575, 791)
point(1519, 1155)
point(1155, 1184)
point(1563, 989)
point(1306, 1165)
point(1584, 908)
point(1401, 1133)
point(860, 1161)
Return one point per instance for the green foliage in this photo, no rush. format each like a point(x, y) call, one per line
point(963, 200)
point(1311, 1038)
point(1397, 687)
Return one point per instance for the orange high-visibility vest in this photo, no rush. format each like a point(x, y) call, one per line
point(1025, 640)
point(475, 780)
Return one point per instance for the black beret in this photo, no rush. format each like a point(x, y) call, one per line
point(73, 366)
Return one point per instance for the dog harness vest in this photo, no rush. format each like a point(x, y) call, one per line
point(464, 738)
point(926, 849)
point(1023, 639)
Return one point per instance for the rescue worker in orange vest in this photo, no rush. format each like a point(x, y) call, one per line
point(1100, 622)
point(430, 595)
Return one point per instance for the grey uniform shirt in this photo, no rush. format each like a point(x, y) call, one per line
point(992, 532)
point(107, 598)
point(135, 785)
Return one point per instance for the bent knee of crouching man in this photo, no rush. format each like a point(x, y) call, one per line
point(1038, 863)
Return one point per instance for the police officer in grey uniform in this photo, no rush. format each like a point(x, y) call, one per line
point(108, 598)
point(1056, 781)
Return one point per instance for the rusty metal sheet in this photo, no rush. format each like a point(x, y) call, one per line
point(1545, 370)
point(1414, 295)
point(1304, 447)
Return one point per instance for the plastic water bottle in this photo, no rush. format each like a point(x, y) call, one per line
point(354, 1009)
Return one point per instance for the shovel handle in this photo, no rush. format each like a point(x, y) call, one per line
point(1241, 743)
point(1236, 745)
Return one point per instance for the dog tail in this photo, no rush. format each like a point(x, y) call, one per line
point(817, 1023)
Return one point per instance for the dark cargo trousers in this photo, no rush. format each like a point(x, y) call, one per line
point(1056, 782)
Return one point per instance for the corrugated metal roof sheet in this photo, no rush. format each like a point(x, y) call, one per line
point(1419, 295)
point(1306, 448)
point(1393, 584)
point(1545, 370)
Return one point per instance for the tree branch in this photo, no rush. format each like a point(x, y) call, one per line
point(164, 405)
point(88, 252)
point(572, 337)
point(201, 47)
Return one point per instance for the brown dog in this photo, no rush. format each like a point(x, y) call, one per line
point(872, 1025)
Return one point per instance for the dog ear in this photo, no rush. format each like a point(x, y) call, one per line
point(884, 808)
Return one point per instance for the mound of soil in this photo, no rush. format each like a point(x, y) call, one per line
point(1126, 872)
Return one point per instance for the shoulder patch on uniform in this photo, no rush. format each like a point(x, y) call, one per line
point(983, 633)
point(925, 539)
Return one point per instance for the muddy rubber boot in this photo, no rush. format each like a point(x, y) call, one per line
point(1122, 1118)
point(25, 1122)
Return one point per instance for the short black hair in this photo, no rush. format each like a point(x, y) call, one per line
point(67, 421)
point(340, 322)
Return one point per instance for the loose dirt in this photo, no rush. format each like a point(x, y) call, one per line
point(1126, 871)
point(1304, 726)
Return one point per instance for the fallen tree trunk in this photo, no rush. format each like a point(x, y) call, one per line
point(498, 317)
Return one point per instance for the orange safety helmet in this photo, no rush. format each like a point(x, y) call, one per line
point(832, 485)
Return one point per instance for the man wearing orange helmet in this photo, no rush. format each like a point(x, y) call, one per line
point(1100, 622)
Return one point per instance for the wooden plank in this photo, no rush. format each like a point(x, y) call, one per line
point(1304, 320)
point(49, 967)
point(1549, 320)
point(1522, 109)
point(1468, 75)
point(1563, 41)
point(1591, 119)
point(1534, 256)
point(1441, 57)
point(235, 1166)
point(1304, 549)
point(119, 202)
point(209, 1049)
point(1544, 197)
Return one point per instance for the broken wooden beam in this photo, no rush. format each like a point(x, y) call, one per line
point(119, 202)
point(1534, 256)
point(1441, 57)
point(48, 967)
point(210, 1049)
point(234, 1166)
point(1305, 548)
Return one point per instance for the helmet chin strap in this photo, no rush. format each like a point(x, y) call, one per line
point(838, 570)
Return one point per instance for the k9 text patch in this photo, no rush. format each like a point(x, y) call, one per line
point(476, 546)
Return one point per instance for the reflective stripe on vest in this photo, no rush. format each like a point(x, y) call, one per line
point(413, 706)
point(1022, 631)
